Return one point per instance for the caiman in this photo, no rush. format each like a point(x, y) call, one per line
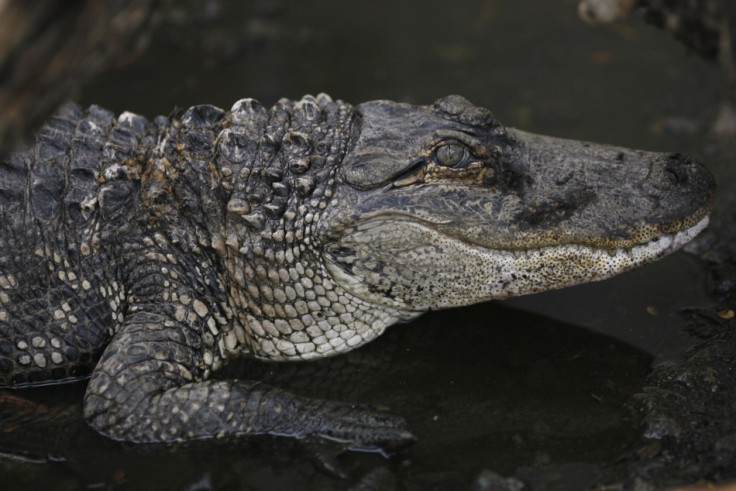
point(146, 254)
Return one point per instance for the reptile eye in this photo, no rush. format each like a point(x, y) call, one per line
point(451, 154)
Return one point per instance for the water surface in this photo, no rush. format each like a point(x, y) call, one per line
point(536, 387)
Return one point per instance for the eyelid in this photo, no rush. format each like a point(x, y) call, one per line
point(474, 145)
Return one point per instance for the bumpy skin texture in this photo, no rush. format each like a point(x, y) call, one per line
point(149, 253)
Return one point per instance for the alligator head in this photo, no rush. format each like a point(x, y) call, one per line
point(442, 206)
point(402, 209)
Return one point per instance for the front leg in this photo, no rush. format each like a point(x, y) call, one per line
point(150, 386)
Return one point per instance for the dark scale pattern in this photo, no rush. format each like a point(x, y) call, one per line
point(58, 308)
point(277, 286)
point(149, 253)
point(118, 238)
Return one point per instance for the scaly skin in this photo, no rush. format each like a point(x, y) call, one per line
point(150, 253)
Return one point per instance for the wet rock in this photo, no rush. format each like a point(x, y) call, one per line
point(380, 478)
point(204, 483)
point(727, 444)
point(689, 407)
point(553, 477)
point(659, 426)
point(490, 481)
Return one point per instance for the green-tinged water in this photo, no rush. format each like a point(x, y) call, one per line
point(500, 386)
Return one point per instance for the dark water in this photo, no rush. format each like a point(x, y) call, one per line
point(487, 387)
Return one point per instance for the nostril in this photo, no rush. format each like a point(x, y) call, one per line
point(676, 168)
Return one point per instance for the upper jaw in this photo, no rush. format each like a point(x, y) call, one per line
point(581, 193)
point(525, 192)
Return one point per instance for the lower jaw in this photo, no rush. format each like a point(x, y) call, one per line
point(554, 267)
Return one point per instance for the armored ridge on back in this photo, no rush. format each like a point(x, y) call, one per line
point(147, 254)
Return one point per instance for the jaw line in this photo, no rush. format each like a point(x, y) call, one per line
point(660, 245)
point(604, 263)
point(501, 274)
point(678, 237)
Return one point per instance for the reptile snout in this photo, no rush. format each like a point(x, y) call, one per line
point(679, 170)
point(679, 182)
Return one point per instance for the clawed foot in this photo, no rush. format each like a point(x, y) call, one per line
point(356, 427)
point(363, 429)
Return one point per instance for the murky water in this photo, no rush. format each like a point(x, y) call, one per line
point(487, 387)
